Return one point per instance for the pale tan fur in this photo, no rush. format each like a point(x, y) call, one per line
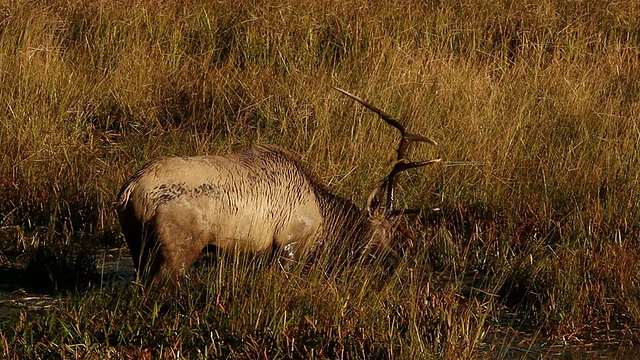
point(251, 201)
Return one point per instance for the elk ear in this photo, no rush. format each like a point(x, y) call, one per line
point(373, 202)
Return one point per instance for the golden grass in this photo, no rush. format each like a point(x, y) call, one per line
point(542, 99)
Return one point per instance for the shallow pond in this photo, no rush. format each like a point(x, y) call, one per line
point(500, 342)
point(16, 292)
point(509, 344)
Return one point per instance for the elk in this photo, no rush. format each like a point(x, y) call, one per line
point(174, 207)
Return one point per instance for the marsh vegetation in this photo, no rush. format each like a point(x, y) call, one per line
point(531, 224)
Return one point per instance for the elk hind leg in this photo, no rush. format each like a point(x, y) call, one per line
point(177, 250)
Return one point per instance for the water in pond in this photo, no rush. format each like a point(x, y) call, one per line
point(500, 342)
point(510, 344)
point(17, 290)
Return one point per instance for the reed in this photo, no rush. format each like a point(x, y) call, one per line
point(539, 99)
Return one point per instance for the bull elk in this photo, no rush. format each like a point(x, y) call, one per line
point(173, 207)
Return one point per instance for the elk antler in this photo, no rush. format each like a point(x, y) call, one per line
point(407, 137)
point(401, 164)
point(390, 183)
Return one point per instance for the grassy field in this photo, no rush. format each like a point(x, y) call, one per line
point(538, 230)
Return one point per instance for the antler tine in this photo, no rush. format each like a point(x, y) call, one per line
point(402, 166)
point(407, 137)
point(390, 181)
point(386, 117)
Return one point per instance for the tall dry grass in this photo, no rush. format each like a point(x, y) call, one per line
point(541, 99)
